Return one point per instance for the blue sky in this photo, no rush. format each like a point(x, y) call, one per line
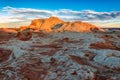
point(98, 11)
point(96, 5)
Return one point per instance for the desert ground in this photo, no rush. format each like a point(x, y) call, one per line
point(59, 55)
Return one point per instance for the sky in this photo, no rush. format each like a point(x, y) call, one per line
point(97, 5)
point(68, 10)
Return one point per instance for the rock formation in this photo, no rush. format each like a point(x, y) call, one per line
point(54, 24)
point(24, 35)
point(8, 30)
point(4, 54)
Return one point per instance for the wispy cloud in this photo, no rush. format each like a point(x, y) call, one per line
point(22, 14)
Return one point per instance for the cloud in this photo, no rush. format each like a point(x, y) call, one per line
point(26, 11)
point(23, 14)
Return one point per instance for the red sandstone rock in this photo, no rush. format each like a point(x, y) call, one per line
point(4, 54)
point(8, 30)
point(24, 36)
point(48, 46)
point(118, 36)
point(50, 53)
point(104, 45)
point(78, 26)
point(31, 74)
point(107, 44)
point(45, 24)
point(23, 28)
point(78, 60)
point(55, 24)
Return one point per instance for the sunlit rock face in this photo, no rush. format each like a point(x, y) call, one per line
point(45, 24)
point(23, 28)
point(77, 27)
point(8, 30)
point(54, 24)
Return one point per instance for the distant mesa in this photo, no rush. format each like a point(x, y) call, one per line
point(54, 24)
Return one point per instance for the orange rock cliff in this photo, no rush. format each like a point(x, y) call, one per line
point(55, 24)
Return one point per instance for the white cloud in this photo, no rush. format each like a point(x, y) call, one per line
point(23, 14)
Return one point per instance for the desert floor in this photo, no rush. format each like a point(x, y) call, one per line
point(60, 56)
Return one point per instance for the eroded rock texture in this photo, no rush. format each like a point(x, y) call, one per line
point(60, 56)
point(51, 49)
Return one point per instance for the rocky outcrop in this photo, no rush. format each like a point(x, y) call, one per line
point(8, 30)
point(109, 43)
point(45, 24)
point(104, 45)
point(54, 24)
point(7, 33)
point(23, 28)
point(77, 26)
point(24, 35)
